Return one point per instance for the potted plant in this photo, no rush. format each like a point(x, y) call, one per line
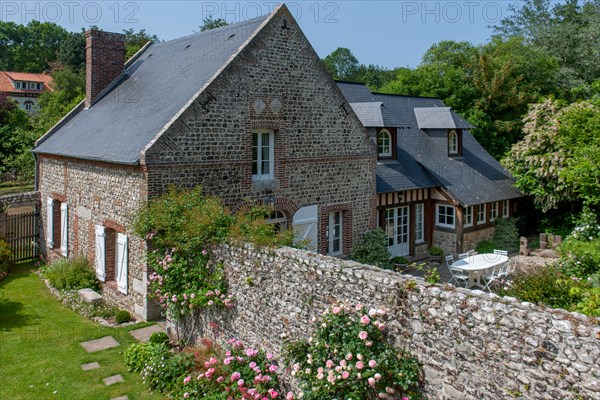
point(436, 253)
point(399, 262)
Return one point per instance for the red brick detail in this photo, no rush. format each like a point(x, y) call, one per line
point(76, 235)
point(92, 244)
point(58, 197)
point(288, 206)
point(56, 224)
point(104, 61)
point(346, 210)
point(110, 224)
point(110, 247)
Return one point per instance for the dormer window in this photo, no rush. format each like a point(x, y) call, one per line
point(384, 143)
point(454, 142)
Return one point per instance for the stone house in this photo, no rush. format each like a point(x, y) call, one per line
point(436, 185)
point(25, 88)
point(248, 111)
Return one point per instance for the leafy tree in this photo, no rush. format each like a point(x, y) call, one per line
point(71, 53)
point(558, 161)
point(210, 23)
point(136, 40)
point(14, 130)
point(343, 65)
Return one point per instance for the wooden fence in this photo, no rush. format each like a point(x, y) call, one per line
point(21, 231)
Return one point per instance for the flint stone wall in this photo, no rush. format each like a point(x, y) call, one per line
point(472, 345)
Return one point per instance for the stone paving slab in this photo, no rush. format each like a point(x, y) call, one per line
point(121, 398)
point(111, 380)
point(104, 343)
point(144, 334)
point(90, 366)
point(89, 295)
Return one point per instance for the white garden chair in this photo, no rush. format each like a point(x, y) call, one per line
point(459, 276)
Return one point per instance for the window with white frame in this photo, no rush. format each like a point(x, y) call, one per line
point(452, 142)
point(468, 216)
point(64, 229)
point(334, 234)
point(505, 209)
point(263, 151)
point(494, 211)
point(445, 216)
point(17, 84)
point(419, 223)
point(278, 220)
point(28, 105)
point(384, 143)
point(481, 214)
point(50, 222)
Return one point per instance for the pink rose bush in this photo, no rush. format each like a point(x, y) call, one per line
point(349, 356)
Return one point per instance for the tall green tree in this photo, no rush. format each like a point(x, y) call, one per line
point(343, 65)
point(210, 23)
point(136, 40)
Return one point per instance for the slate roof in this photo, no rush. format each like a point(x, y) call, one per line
point(153, 90)
point(422, 157)
point(440, 118)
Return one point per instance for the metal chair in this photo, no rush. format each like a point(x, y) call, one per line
point(458, 275)
point(501, 252)
point(462, 256)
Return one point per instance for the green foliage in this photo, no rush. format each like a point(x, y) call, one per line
point(210, 23)
point(485, 246)
point(506, 234)
point(557, 161)
point(435, 251)
point(139, 354)
point(430, 273)
point(71, 53)
point(72, 300)
point(251, 226)
point(122, 316)
point(349, 357)
point(580, 258)
point(70, 274)
point(343, 65)
point(399, 260)
point(164, 371)
point(5, 256)
point(159, 338)
point(372, 249)
point(134, 41)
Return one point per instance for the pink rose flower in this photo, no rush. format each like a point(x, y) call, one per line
point(345, 374)
point(360, 365)
point(289, 396)
point(368, 343)
point(235, 376)
point(349, 356)
point(364, 320)
point(381, 326)
point(372, 363)
point(240, 382)
point(363, 335)
point(372, 312)
point(377, 377)
point(186, 395)
point(336, 310)
point(371, 382)
point(358, 307)
point(187, 379)
point(381, 312)
point(329, 364)
point(343, 363)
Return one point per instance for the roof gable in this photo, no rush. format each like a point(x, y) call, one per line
point(439, 118)
point(149, 96)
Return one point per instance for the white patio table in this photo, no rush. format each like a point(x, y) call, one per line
point(475, 265)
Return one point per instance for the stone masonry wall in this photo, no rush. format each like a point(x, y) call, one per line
point(322, 153)
point(445, 240)
point(98, 194)
point(472, 238)
point(473, 345)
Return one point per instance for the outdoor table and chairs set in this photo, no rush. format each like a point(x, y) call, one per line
point(478, 270)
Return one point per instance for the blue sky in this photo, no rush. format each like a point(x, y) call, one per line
point(388, 33)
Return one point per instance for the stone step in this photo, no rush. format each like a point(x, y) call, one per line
point(111, 380)
point(90, 366)
point(104, 343)
point(89, 295)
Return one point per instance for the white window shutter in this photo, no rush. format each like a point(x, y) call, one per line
point(122, 263)
point(64, 229)
point(100, 253)
point(50, 222)
point(305, 226)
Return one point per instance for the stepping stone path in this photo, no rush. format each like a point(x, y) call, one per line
point(111, 380)
point(89, 295)
point(90, 366)
point(121, 398)
point(104, 343)
point(144, 334)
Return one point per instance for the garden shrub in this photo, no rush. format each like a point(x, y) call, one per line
point(506, 234)
point(159, 338)
point(163, 369)
point(122, 316)
point(5, 256)
point(580, 258)
point(72, 300)
point(236, 373)
point(139, 354)
point(485, 246)
point(349, 357)
point(372, 250)
point(71, 274)
point(435, 251)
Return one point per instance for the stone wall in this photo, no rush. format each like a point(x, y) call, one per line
point(323, 155)
point(445, 240)
point(472, 238)
point(472, 345)
point(19, 198)
point(98, 194)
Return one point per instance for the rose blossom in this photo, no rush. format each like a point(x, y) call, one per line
point(360, 365)
point(336, 310)
point(371, 381)
point(187, 379)
point(345, 374)
point(235, 376)
point(362, 335)
point(349, 356)
point(372, 312)
point(364, 320)
point(377, 377)
point(372, 363)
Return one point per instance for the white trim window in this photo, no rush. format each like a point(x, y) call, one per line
point(334, 234)
point(468, 216)
point(419, 223)
point(278, 220)
point(505, 209)
point(64, 229)
point(452, 142)
point(28, 105)
point(445, 216)
point(101, 253)
point(121, 262)
point(494, 211)
point(384, 143)
point(263, 154)
point(481, 214)
point(50, 222)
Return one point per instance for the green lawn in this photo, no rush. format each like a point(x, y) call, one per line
point(15, 188)
point(40, 355)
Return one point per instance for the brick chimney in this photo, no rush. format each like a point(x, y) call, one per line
point(104, 61)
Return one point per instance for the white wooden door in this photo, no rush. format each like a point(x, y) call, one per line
point(101, 253)
point(305, 225)
point(397, 228)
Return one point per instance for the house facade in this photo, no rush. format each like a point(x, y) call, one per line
point(25, 88)
point(436, 185)
point(247, 111)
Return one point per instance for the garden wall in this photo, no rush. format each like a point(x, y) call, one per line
point(473, 345)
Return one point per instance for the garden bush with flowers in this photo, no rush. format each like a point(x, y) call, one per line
point(182, 229)
point(349, 357)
